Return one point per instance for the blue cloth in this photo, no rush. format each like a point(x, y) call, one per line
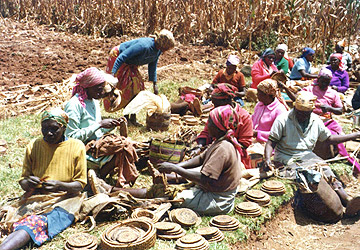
point(139, 51)
point(307, 51)
point(239, 100)
point(301, 64)
point(58, 220)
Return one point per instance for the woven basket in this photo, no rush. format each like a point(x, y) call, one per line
point(158, 121)
point(146, 241)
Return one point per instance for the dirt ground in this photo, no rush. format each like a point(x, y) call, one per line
point(37, 55)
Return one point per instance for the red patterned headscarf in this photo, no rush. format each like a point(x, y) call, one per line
point(339, 57)
point(86, 79)
point(226, 119)
point(224, 91)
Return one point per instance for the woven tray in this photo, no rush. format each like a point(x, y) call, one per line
point(146, 239)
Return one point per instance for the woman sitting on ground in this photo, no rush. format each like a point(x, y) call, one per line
point(280, 61)
point(216, 171)
point(302, 67)
point(223, 95)
point(270, 105)
point(340, 78)
point(264, 68)
point(86, 124)
point(327, 102)
point(52, 164)
point(231, 76)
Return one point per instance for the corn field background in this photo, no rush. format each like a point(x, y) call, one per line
point(239, 24)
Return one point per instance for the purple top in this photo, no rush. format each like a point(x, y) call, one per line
point(340, 79)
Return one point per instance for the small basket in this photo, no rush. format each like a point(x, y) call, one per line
point(158, 121)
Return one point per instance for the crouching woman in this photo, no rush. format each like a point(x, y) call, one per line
point(217, 171)
point(52, 164)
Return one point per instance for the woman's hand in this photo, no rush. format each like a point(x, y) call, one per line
point(167, 167)
point(109, 123)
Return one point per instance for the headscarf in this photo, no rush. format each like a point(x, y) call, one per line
point(226, 119)
point(224, 91)
point(307, 51)
point(57, 115)
point(232, 60)
point(305, 101)
point(86, 79)
point(323, 72)
point(267, 52)
point(282, 46)
point(164, 40)
point(342, 43)
point(338, 56)
point(270, 87)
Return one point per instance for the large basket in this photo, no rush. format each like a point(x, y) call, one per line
point(158, 121)
point(146, 241)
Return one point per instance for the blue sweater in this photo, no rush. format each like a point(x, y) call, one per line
point(139, 51)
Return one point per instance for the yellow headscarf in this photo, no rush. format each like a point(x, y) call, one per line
point(270, 87)
point(305, 101)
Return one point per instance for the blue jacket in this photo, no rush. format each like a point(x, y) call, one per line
point(139, 51)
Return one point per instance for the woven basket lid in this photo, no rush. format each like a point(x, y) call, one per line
point(248, 206)
point(80, 240)
point(191, 238)
point(207, 231)
point(201, 243)
point(223, 219)
point(257, 194)
point(273, 185)
point(185, 216)
point(165, 226)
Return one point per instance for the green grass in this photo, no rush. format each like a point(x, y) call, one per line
point(19, 131)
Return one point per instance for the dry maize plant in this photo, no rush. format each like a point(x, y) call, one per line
point(234, 23)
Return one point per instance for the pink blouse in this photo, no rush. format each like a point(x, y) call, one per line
point(260, 72)
point(264, 117)
point(328, 97)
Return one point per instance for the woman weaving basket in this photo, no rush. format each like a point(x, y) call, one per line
point(217, 171)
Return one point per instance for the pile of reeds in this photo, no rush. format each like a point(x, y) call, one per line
point(25, 98)
point(228, 22)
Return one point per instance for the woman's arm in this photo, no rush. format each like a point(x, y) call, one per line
point(307, 75)
point(189, 174)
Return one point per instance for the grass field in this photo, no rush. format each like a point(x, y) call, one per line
point(18, 132)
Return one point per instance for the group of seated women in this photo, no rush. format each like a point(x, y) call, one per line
point(77, 139)
point(278, 61)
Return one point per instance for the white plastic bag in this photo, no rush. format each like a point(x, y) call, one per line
point(153, 103)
